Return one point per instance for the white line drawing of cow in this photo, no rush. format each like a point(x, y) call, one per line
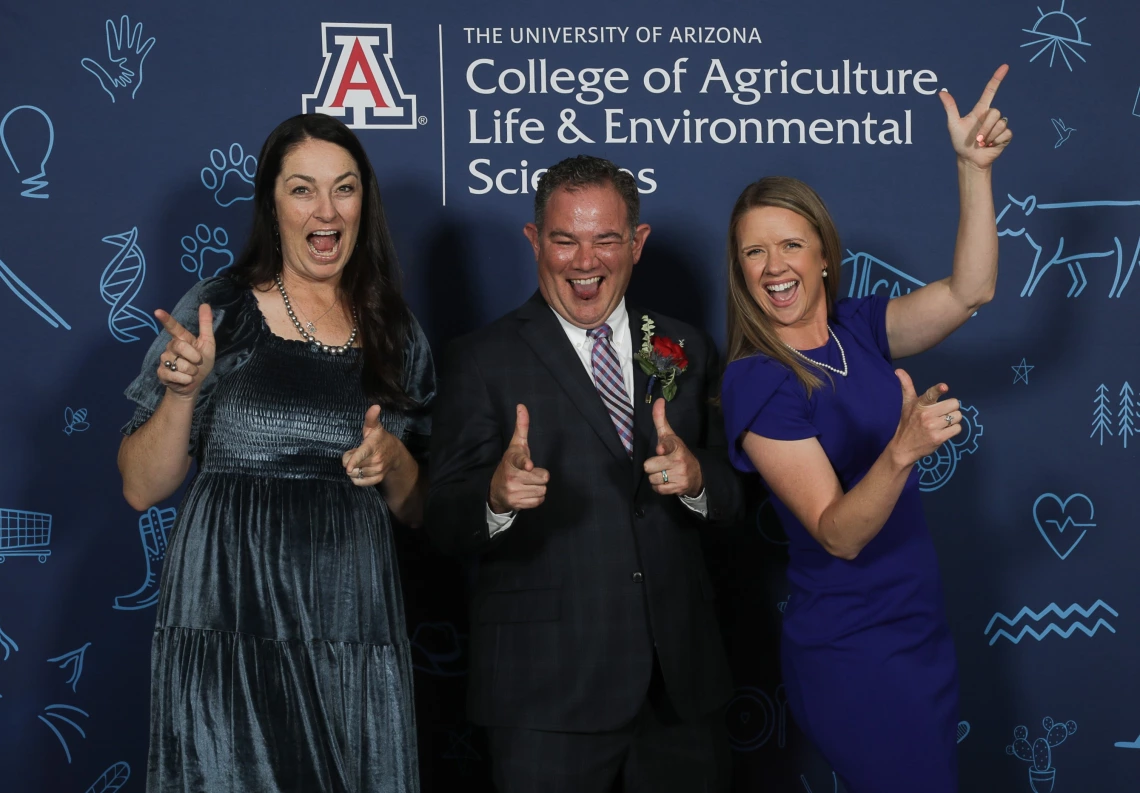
point(1011, 223)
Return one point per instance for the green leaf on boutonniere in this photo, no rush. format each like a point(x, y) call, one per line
point(647, 367)
point(669, 391)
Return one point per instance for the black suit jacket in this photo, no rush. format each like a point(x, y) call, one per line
point(570, 600)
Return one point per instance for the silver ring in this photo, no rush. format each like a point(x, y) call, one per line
point(1004, 118)
point(949, 419)
point(359, 474)
point(664, 477)
point(171, 365)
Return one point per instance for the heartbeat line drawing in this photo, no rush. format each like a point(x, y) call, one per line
point(1050, 514)
point(1051, 627)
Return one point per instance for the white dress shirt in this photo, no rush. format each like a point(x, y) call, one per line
point(583, 345)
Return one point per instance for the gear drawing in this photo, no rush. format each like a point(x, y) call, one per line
point(935, 470)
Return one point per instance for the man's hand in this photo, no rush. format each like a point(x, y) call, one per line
point(517, 483)
point(674, 471)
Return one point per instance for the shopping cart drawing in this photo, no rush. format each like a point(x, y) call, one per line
point(24, 533)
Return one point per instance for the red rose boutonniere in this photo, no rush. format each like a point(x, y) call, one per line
point(662, 359)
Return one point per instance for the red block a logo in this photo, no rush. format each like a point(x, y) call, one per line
point(361, 87)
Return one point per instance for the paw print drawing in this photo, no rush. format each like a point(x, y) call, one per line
point(231, 180)
point(126, 51)
point(206, 252)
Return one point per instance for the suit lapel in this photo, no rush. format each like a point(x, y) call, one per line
point(541, 330)
point(644, 433)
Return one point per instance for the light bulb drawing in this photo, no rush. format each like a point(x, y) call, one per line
point(37, 182)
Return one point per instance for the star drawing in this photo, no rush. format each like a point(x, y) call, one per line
point(1021, 372)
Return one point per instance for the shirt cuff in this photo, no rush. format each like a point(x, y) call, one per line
point(497, 523)
point(698, 503)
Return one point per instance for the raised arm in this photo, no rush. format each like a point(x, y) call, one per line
point(918, 321)
point(154, 459)
point(801, 476)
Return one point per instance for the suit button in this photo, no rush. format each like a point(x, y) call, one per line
point(639, 513)
point(637, 578)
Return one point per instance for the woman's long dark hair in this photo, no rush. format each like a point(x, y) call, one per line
point(371, 277)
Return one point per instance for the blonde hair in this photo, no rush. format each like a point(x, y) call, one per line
point(750, 331)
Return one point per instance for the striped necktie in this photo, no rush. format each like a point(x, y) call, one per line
point(611, 385)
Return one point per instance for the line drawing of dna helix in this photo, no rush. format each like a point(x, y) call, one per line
point(120, 284)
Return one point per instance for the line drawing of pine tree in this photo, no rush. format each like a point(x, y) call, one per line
point(1126, 414)
point(1102, 416)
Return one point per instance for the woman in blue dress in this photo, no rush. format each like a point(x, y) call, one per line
point(812, 401)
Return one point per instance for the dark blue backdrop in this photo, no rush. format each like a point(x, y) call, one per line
point(125, 178)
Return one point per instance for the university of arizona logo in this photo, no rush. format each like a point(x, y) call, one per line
point(357, 82)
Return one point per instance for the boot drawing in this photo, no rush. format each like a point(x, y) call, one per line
point(153, 527)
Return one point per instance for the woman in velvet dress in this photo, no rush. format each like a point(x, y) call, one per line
point(300, 383)
point(812, 401)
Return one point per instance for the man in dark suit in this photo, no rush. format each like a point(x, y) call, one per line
point(595, 653)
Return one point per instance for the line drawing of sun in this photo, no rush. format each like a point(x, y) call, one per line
point(1056, 41)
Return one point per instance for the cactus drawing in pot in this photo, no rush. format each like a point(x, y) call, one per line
point(1039, 754)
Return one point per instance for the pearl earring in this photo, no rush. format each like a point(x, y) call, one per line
point(825, 272)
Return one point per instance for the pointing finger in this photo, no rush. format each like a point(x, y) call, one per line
point(522, 426)
point(907, 384)
point(932, 395)
point(205, 325)
point(371, 420)
point(660, 421)
point(991, 89)
point(950, 105)
point(174, 327)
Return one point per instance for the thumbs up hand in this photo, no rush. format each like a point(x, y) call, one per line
point(674, 471)
point(517, 482)
point(926, 421)
point(377, 455)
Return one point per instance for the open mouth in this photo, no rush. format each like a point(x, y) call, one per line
point(586, 288)
point(783, 293)
point(324, 243)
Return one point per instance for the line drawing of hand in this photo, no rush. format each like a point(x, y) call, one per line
point(123, 46)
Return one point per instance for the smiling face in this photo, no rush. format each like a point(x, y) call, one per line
point(585, 253)
point(318, 199)
point(781, 256)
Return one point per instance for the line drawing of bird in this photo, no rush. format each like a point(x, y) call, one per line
point(1063, 132)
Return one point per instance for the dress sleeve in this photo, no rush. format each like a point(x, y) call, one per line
point(867, 317)
point(234, 332)
point(762, 396)
point(419, 385)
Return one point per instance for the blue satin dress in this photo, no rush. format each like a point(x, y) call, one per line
point(280, 659)
point(867, 656)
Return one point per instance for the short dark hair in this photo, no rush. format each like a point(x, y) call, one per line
point(586, 171)
point(371, 277)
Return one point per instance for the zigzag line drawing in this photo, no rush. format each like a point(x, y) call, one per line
point(1051, 628)
point(1052, 608)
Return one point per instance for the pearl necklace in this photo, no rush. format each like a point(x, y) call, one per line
point(317, 344)
point(842, 355)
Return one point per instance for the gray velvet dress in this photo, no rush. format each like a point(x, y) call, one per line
point(280, 659)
